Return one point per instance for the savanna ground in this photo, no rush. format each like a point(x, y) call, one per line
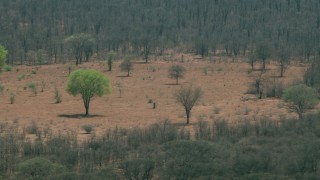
point(224, 86)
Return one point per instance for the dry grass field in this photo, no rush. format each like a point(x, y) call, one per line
point(224, 85)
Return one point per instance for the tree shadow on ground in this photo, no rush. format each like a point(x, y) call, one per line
point(79, 115)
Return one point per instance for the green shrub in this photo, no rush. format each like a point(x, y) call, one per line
point(301, 98)
point(8, 68)
point(33, 87)
point(34, 71)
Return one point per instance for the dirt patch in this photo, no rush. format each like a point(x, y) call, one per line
point(224, 85)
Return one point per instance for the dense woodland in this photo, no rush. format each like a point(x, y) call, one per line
point(288, 149)
point(33, 28)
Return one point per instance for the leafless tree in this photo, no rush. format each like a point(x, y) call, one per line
point(188, 97)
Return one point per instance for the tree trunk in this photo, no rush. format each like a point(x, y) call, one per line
point(188, 115)
point(177, 80)
point(263, 64)
point(86, 103)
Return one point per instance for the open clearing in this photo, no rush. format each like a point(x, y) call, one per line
point(224, 87)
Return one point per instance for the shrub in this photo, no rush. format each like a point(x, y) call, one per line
point(275, 90)
point(57, 96)
point(33, 87)
point(39, 168)
point(127, 66)
point(87, 128)
point(20, 77)
point(43, 85)
point(8, 68)
point(34, 71)
point(205, 70)
point(32, 128)
point(12, 98)
point(1, 88)
point(138, 168)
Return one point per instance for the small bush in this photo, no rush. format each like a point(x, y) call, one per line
point(57, 96)
point(12, 98)
point(20, 77)
point(220, 69)
point(87, 128)
point(216, 110)
point(1, 88)
point(32, 128)
point(43, 85)
point(153, 68)
point(8, 68)
point(34, 71)
point(33, 87)
point(205, 70)
point(275, 90)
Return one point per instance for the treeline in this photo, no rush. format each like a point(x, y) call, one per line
point(288, 149)
point(33, 28)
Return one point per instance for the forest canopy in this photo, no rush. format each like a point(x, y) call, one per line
point(145, 27)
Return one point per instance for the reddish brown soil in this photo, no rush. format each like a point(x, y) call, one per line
point(224, 86)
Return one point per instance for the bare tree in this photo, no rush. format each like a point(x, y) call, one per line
point(188, 97)
point(283, 59)
point(176, 71)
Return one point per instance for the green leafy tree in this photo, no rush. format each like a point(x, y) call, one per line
point(127, 66)
point(188, 97)
point(110, 60)
point(88, 83)
point(81, 46)
point(3, 56)
point(176, 71)
point(301, 98)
